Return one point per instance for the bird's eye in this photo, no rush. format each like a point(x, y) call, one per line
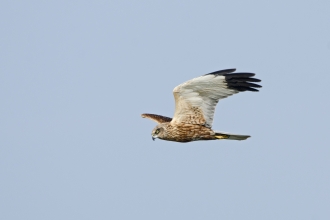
point(157, 131)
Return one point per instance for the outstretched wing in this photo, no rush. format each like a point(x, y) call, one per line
point(157, 118)
point(195, 100)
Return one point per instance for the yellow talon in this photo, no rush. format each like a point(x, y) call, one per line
point(222, 136)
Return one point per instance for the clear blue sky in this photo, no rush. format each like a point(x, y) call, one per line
point(76, 75)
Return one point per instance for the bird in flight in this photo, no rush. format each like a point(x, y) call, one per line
point(195, 102)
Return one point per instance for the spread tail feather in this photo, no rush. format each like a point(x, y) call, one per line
point(238, 137)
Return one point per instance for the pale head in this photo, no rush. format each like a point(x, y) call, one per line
point(159, 132)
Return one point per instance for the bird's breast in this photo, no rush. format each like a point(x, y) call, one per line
point(182, 132)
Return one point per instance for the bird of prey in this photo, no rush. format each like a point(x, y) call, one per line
point(195, 102)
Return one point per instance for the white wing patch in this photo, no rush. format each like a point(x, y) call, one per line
point(196, 99)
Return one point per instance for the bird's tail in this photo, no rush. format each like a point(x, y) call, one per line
point(221, 135)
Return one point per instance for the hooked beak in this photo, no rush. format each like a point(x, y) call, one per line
point(153, 137)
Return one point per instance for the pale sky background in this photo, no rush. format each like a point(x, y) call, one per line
point(76, 75)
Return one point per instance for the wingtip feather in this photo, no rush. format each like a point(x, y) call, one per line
point(222, 72)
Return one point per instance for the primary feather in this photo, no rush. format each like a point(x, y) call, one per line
point(203, 93)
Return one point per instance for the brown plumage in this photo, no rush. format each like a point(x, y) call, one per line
point(195, 102)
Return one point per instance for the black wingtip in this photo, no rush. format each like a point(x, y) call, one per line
point(239, 75)
point(238, 81)
point(222, 72)
point(242, 82)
